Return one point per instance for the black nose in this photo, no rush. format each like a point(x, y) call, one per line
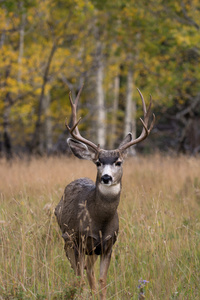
point(106, 178)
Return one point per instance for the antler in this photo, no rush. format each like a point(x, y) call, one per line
point(74, 129)
point(145, 131)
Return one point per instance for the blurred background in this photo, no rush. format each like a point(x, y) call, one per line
point(50, 47)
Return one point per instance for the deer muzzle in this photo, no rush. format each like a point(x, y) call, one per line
point(106, 179)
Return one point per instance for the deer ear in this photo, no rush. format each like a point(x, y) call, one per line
point(126, 140)
point(80, 150)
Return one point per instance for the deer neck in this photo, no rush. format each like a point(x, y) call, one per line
point(108, 193)
point(107, 200)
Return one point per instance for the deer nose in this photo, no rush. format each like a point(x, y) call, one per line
point(106, 178)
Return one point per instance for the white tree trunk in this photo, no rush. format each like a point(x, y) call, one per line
point(21, 43)
point(101, 114)
point(130, 112)
point(113, 131)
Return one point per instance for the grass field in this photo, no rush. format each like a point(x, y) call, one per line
point(159, 239)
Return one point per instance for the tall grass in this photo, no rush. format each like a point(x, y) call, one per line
point(159, 239)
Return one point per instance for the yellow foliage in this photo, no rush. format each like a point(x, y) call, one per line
point(11, 82)
point(130, 12)
point(2, 19)
point(177, 6)
point(183, 40)
point(80, 3)
point(1, 104)
point(30, 18)
point(26, 108)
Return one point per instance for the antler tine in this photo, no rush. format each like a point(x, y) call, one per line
point(152, 123)
point(78, 96)
point(73, 107)
point(74, 129)
point(143, 102)
point(70, 98)
point(71, 130)
point(145, 131)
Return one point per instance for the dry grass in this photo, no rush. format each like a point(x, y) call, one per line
point(159, 238)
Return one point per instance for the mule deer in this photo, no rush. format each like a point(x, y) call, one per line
point(87, 212)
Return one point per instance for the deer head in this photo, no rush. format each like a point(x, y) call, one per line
point(108, 162)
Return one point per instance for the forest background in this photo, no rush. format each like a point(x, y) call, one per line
point(52, 46)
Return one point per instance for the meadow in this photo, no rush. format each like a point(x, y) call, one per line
point(158, 242)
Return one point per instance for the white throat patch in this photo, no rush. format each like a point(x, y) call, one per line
point(109, 189)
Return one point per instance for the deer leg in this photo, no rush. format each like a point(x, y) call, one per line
point(70, 253)
point(77, 261)
point(91, 259)
point(104, 265)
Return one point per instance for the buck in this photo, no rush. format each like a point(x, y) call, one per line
point(87, 212)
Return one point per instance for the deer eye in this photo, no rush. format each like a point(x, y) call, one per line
point(98, 164)
point(118, 163)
